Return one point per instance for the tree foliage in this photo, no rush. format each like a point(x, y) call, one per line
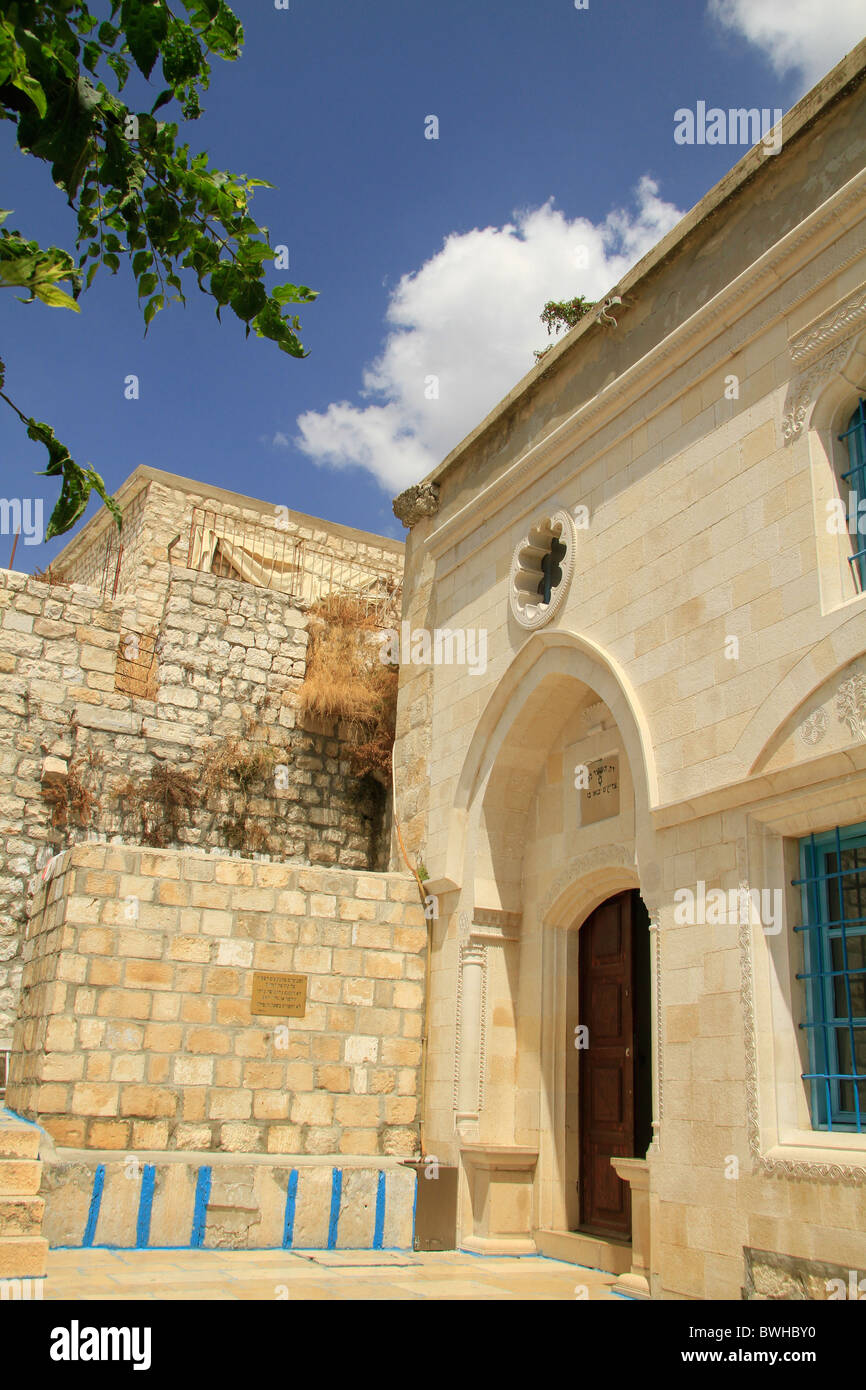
point(559, 315)
point(138, 193)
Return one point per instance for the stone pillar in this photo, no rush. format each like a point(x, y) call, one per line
point(470, 1041)
point(656, 1008)
point(635, 1171)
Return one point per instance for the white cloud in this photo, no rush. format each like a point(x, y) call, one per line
point(470, 317)
point(802, 36)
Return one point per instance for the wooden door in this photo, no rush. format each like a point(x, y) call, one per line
point(607, 1064)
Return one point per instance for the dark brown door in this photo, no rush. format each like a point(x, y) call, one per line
point(607, 1092)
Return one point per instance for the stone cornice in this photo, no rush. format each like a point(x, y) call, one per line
point(753, 284)
point(836, 324)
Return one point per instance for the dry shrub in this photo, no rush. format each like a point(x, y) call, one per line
point(372, 754)
point(238, 762)
point(51, 576)
point(72, 801)
point(161, 802)
point(345, 681)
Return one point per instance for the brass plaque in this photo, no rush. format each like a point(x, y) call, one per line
point(284, 996)
point(601, 798)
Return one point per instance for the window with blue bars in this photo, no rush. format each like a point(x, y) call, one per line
point(855, 440)
point(833, 886)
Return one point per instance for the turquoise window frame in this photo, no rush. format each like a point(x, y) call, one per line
point(854, 439)
point(824, 1020)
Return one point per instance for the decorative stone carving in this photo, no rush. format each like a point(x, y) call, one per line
point(658, 1049)
point(418, 501)
point(839, 321)
point(851, 704)
point(804, 389)
point(527, 574)
point(603, 857)
point(814, 727)
point(470, 1051)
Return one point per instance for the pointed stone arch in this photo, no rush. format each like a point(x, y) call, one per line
point(558, 656)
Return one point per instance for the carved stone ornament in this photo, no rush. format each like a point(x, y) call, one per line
point(418, 501)
point(524, 596)
point(839, 321)
point(803, 390)
point(814, 727)
point(827, 1171)
point(851, 704)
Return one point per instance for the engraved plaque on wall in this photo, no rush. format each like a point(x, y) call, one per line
point(601, 798)
point(284, 996)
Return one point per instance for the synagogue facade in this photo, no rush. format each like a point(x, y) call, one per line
point(644, 820)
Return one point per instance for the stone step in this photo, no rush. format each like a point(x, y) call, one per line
point(19, 1177)
point(23, 1257)
point(580, 1248)
point(21, 1216)
point(18, 1140)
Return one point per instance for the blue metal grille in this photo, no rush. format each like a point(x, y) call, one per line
point(855, 439)
point(833, 885)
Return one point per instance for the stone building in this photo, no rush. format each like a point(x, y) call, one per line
point(644, 817)
point(207, 968)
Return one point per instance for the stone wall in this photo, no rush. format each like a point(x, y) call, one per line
point(135, 1029)
point(220, 660)
point(158, 517)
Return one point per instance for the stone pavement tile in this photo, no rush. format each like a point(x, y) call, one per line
point(268, 1275)
point(368, 1258)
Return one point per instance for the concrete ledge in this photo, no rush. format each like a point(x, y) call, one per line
point(128, 1201)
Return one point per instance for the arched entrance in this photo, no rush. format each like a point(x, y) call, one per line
point(609, 1090)
point(550, 820)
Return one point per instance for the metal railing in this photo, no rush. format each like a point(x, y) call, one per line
point(268, 557)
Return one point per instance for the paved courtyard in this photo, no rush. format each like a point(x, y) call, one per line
point(314, 1274)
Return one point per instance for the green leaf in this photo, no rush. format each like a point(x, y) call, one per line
point(33, 89)
point(152, 308)
point(57, 299)
point(145, 23)
point(249, 299)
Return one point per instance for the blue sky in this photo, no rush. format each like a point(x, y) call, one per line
point(554, 170)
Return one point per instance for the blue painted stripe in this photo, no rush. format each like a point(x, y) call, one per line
point(145, 1206)
point(379, 1228)
point(199, 1215)
point(7, 1114)
point(95, 1204)
point(336, 1193)
point(291, 1198)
